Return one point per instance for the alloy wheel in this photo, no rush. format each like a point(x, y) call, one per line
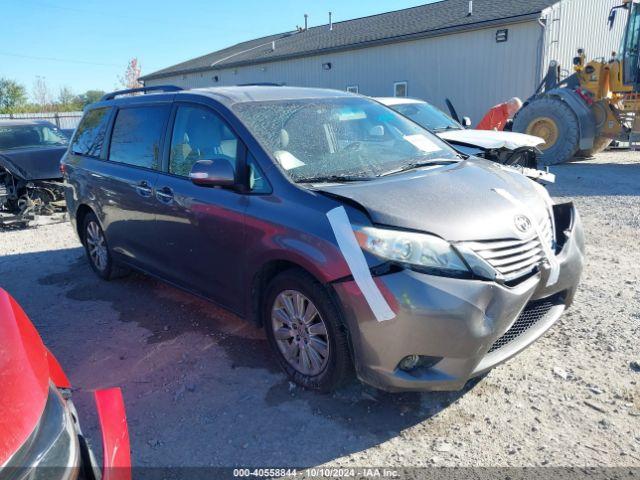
point(97, 246)
point(300, 332)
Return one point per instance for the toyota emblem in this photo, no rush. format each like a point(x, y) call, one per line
point(523, 223)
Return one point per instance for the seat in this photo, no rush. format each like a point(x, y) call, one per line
point(204, 136)
point(229, 143)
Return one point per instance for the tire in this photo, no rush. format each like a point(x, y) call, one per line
point(600, 144)
point(558, 113)
point(328, 373)
point(97, 250)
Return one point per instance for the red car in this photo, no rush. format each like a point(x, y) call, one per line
point(40, 436)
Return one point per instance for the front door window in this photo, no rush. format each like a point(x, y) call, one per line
point(199, 134)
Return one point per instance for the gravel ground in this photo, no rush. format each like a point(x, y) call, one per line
point(202, 388)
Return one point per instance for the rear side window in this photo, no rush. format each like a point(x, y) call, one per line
point(136, 136)
point(90, 134)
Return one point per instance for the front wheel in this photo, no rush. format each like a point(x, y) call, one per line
point(306, 332)
point(554, 121)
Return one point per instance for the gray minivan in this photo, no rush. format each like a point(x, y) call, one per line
point(361, 242)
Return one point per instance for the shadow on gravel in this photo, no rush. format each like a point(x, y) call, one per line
point(243, 405)
point(165, 311)
point(365, 410)
point(585, 178)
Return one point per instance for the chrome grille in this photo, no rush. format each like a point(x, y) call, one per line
point(514, 258)
point(511, 258)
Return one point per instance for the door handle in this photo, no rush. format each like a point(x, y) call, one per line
point(165, 195)
point(144, 189)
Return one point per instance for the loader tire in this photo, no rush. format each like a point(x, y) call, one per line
point(553, 120)
point(600, 144)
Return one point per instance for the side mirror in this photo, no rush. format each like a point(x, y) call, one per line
point(213, 173)
point(466, 122)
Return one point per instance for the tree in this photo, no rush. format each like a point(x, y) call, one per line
point(67, 100)
point(13, 96)
point(41, 94)
point(131, 75)
point(90, 96)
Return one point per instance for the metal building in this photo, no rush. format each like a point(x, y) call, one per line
point(477, 53)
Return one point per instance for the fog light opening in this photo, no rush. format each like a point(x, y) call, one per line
point(409, 363)
point(412, 363)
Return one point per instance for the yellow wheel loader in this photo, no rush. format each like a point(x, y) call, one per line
point(581, 114)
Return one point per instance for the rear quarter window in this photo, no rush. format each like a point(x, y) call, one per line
point(90, 134)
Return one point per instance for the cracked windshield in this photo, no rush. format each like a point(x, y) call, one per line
point(341, 139)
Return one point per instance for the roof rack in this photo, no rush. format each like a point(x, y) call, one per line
point(260, 84)
point(155, 88)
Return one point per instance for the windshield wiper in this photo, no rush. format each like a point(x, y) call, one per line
point(334, 179)
point(448, 127)
point(414, 165)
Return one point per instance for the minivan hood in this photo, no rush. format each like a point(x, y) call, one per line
point(456, 202)
point(491, 139)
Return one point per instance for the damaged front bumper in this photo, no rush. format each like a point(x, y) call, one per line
point(467, 326)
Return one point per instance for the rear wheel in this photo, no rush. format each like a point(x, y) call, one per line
point(98, 254)
point(600, 144)
point(600, 111)
point(306, 332)
point(554, 121)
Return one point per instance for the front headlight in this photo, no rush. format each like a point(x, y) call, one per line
point(417, 251)
point(52, 450)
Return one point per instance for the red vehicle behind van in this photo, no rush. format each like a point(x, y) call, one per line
point(40, 436)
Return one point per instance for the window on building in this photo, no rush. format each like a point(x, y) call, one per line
point(400, 89)
point(137, 134)
point(89, 135)
point(502, 35)
point(199, 134)
point(353, 89)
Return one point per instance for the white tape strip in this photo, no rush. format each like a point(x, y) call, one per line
point(547, 199)
point(546, 248)
point(354, 257)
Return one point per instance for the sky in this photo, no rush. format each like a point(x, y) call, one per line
point(86, 44)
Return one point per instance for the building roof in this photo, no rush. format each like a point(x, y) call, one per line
point(445, 16)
